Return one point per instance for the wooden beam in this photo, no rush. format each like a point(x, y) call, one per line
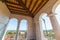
point(21, 14)
point(22, 4)
point(3, 0)
point(16, 7)
point(30, 3)
point(34, 5)
point(35, 12)
point(25, 2)
point(38, 7)
point(17, 10)
point(12, 3)
point(12, 6)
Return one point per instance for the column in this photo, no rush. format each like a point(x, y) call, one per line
point(16, 38)
point(39, 31)
point(31, 34)
point(55, 26)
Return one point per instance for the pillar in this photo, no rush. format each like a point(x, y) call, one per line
point(31, 34)
point(55, 25)
point(39, 31)
point(16, 38)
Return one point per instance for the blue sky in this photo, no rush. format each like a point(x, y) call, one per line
point(23, 25)
point(47, 22)
point(13, 25)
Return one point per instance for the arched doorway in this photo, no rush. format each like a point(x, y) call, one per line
point(47, 29)
point(23, 29)
point(11, 29)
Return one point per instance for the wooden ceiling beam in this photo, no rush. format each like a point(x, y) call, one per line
point(16, 7)
point(25, 2)
point(24, 6)
point(19, 13)
point(35, 12)
point(34, 5)
point(17, 10)
point(28, 11)
point(3, 0)
point(38, 7)
point(30, 3)
point(21, 3)
point(12, 3)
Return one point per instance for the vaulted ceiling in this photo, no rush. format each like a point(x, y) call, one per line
point(25, 7)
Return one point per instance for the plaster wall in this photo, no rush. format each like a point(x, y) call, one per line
point(3, 9)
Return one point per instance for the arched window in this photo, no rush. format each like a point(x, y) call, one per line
point(11, 29)
point(47, 28)
point(23, 29)
point(57, 11)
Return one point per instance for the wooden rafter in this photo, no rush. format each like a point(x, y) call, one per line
point(16, 7)
point(25, 7)
point(19, 13)
point(12, 3)
point(39, 6)
point(34, 5)
point(25, 2)
point(30, 3)
point(22, 4)
point(17, 10)
point(3, 0)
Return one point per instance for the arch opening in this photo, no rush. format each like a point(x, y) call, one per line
point(23, 29)
point(46, 27)
point(10, 32)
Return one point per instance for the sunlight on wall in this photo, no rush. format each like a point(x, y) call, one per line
point(57, 11)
